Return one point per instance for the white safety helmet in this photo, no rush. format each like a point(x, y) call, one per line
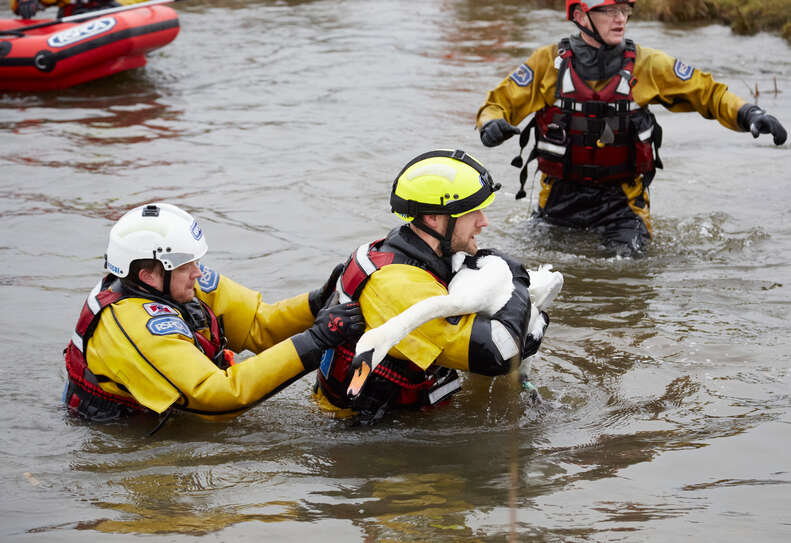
point(158, 231)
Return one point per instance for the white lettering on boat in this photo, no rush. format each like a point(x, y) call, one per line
point(81, 32)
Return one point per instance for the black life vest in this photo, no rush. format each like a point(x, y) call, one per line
point(394, 382)
point(84, 394)
point(593, 137)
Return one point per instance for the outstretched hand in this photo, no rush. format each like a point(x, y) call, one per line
point(760, 122)
point(496, 131)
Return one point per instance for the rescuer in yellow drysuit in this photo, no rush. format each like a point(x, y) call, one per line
point(160, 330)
point(595, 139)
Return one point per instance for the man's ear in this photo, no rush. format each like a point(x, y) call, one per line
point(436, 222)
point(149, 277)
point(579, 15)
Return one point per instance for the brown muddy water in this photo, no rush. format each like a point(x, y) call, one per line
point(281, 125)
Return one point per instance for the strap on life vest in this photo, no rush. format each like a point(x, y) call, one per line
point(83, 393)
point(198, 315)
point(335, 368)
point(622, 137)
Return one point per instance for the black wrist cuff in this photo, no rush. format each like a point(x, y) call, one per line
point(745, 114)
point(308, 350)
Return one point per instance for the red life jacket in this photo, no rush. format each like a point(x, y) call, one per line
point(593, 137)
point(83, 394)
point(335, 369)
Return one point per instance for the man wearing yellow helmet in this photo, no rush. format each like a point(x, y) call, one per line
point(441, 194)
point(158, 332)
point(595, 139)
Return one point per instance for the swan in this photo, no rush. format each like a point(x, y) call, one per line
point(481, 284)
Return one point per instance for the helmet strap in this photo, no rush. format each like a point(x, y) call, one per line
point(592, 33)
point(444, 240)
point(166, 284)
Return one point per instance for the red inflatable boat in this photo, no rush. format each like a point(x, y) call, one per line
point(57, 56)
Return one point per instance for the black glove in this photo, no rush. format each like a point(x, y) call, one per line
point(530, 344)
point(27, 8)
point(334, 325)
point(318, 298)
point(496, 131)
point(757, 121)
point(337, 324)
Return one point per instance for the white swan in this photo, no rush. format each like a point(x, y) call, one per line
point(480, 285)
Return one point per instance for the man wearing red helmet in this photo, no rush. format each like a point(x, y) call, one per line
point(595, 139)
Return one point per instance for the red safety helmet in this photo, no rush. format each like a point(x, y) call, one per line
point(588, 5)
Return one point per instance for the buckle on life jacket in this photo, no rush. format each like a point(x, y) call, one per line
point(596, 108)
point(447, 382)
point(555, 134)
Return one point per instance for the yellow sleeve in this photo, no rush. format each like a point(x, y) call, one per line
point(155, 359)
point(45, 3)
point(250, 323)
point(529, 88)
point(664, 80)
point(394, 288)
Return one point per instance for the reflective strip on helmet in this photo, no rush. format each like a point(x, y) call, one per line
point(77, 340)
point(93, 303)
point(557, 150)
point(503, 340)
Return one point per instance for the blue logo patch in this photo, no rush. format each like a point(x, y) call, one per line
point(163, 326)
point(197, 233)
point(209, 279)
point(522, 76)
point(682, 71)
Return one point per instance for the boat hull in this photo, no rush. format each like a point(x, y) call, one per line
point(62, 55)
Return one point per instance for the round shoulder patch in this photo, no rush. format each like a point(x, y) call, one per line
point(522, 76)
point(209, 279)
point(682, 71)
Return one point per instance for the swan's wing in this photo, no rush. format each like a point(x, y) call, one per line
point(544, 286)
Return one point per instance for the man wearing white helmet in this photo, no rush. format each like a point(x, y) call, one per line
point(159, 331)
point(596, 141)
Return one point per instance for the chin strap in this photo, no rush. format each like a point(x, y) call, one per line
point(592, 33)
point(166, 284)
point(136, 284)
point(444, 241)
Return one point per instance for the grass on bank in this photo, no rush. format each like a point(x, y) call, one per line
point(743, 16)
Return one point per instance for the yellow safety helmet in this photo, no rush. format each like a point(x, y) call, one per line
point(443, 182)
